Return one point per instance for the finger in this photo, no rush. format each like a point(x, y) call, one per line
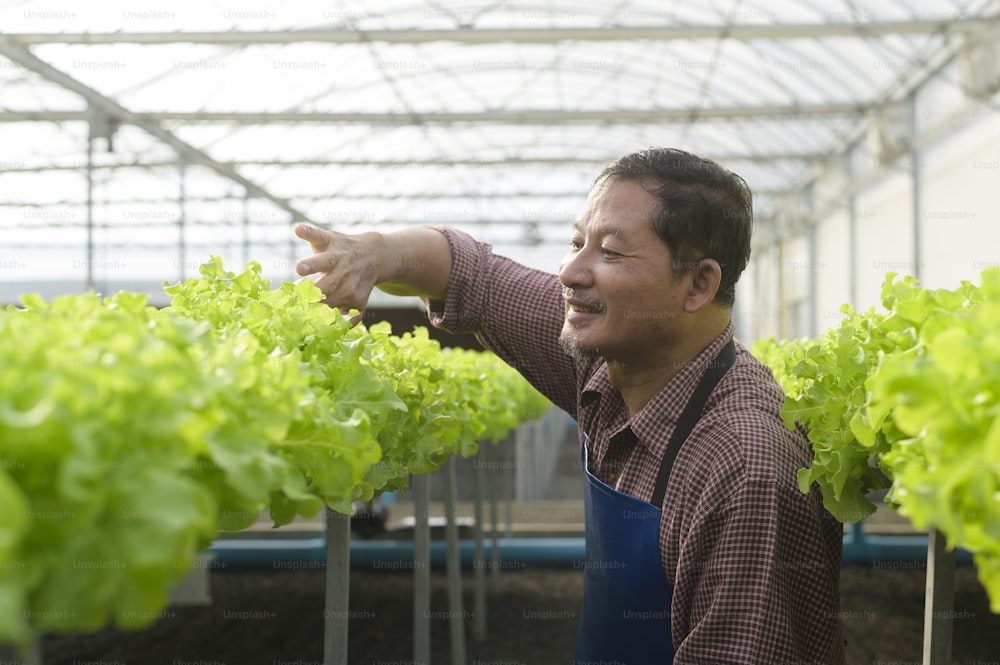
point(305, 231)
point(305, 268)
point(316, 237)
point(320, 262)
point(332, 293)
point(354, 320)
point(319, 240)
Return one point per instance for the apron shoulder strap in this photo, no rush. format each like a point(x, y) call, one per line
point(689, 417)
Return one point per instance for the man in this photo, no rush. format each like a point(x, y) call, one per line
point(700, 547)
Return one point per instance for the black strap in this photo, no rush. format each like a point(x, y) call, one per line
point(689, 417)
point(590, 421)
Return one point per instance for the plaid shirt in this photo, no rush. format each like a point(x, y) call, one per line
point(754, 563)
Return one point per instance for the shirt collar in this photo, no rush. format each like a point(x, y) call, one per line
point(653, 424)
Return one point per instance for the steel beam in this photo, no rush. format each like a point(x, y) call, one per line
point(191, 154)
point(513, 162)
point(466, 35)
point(506, 117)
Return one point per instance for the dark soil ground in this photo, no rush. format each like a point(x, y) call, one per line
point(269, 617)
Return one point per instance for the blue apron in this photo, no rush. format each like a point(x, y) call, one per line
point(626, 596)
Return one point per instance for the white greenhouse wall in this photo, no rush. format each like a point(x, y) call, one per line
point(884, 237)
point(756, 313)
point(796, 268)
point(960, 207)
point(833, 266)
point(959, 227)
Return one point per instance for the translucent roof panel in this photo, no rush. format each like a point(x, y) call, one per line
point(218, 125)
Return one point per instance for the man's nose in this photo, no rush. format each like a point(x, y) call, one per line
point(574, 270)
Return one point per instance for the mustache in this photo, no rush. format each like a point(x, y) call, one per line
point(569, 295)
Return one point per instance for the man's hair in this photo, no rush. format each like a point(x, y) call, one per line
point(706, 211)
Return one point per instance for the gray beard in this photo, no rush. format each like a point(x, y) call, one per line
point(573, 350)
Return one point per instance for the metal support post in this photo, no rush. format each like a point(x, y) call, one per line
point(916, 188)
point(479, 563)
point(246, 228)
point(420, 486)
point(453, 566)
point(89, 283)
point(939, 601)
point(181, 216)
point(493, 490)
point(336, 617)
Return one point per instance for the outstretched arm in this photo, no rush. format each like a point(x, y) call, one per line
point(411, 262)
point(515, 311)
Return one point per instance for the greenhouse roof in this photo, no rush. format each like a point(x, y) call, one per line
point(216, 125)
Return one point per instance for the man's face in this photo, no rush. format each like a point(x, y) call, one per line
point(622, 300)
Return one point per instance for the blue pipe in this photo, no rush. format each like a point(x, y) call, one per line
point(888, 551)
point(302, 553)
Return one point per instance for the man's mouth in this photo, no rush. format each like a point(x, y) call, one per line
point(583, 306)
point(577, 305)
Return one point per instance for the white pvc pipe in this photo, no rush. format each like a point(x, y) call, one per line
point(478, 561)
point(420, 486)
point(338, 566)
point(453, 567)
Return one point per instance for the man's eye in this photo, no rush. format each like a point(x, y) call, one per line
point(608, 252)
point(575, 245)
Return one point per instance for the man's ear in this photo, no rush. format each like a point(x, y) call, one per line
point(705, 281)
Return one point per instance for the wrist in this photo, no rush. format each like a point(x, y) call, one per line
point(412, 262)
